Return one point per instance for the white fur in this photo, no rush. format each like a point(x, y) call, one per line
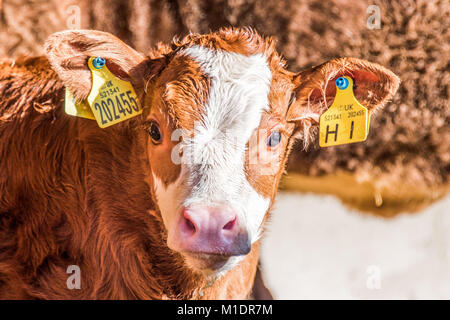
point(168, 198)
point(237, 97)
point(214, 156)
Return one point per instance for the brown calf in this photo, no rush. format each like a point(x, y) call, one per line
point(170, 204)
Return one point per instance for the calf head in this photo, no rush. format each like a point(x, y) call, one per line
point(221, 113)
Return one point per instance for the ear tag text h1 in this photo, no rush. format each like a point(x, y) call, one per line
point(346, 121)
point(112, 100)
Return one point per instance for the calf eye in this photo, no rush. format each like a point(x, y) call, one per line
point(274, 139)
point(155, 133)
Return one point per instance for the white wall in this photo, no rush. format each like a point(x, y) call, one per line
point(315, 248)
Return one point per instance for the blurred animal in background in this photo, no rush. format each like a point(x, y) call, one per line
point(403, 167)
point(168, 204)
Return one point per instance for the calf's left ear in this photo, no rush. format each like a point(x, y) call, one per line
point(315, 89)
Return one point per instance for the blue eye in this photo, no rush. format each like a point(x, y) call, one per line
point(274, 139)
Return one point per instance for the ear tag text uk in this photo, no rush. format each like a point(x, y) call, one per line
point(346, 121)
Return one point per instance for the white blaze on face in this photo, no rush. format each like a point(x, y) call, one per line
point(214, 156)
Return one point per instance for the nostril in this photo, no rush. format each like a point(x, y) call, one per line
point(190, 226)
point(230, 224)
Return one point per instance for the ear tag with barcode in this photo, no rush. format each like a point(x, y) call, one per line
point(112, 100)
point(346, 121)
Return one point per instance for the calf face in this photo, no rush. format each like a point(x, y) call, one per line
point(221, 112)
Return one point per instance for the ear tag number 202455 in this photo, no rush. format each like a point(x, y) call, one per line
point(346, 121)
point(110, 101)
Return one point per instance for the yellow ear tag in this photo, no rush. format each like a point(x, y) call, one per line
point(112, 100)
point(77, 108)
point(346, 121)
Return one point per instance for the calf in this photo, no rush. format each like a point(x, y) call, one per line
point(170, 204)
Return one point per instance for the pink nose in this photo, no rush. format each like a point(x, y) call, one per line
point(211, 230)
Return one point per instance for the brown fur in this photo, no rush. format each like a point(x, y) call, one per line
point(75, 194)
point(411, 146)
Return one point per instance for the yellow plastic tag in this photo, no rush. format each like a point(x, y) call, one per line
point(77, 108)
point(112, 100)
point(346, 121)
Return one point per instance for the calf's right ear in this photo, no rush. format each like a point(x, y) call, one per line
point(68, 53)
